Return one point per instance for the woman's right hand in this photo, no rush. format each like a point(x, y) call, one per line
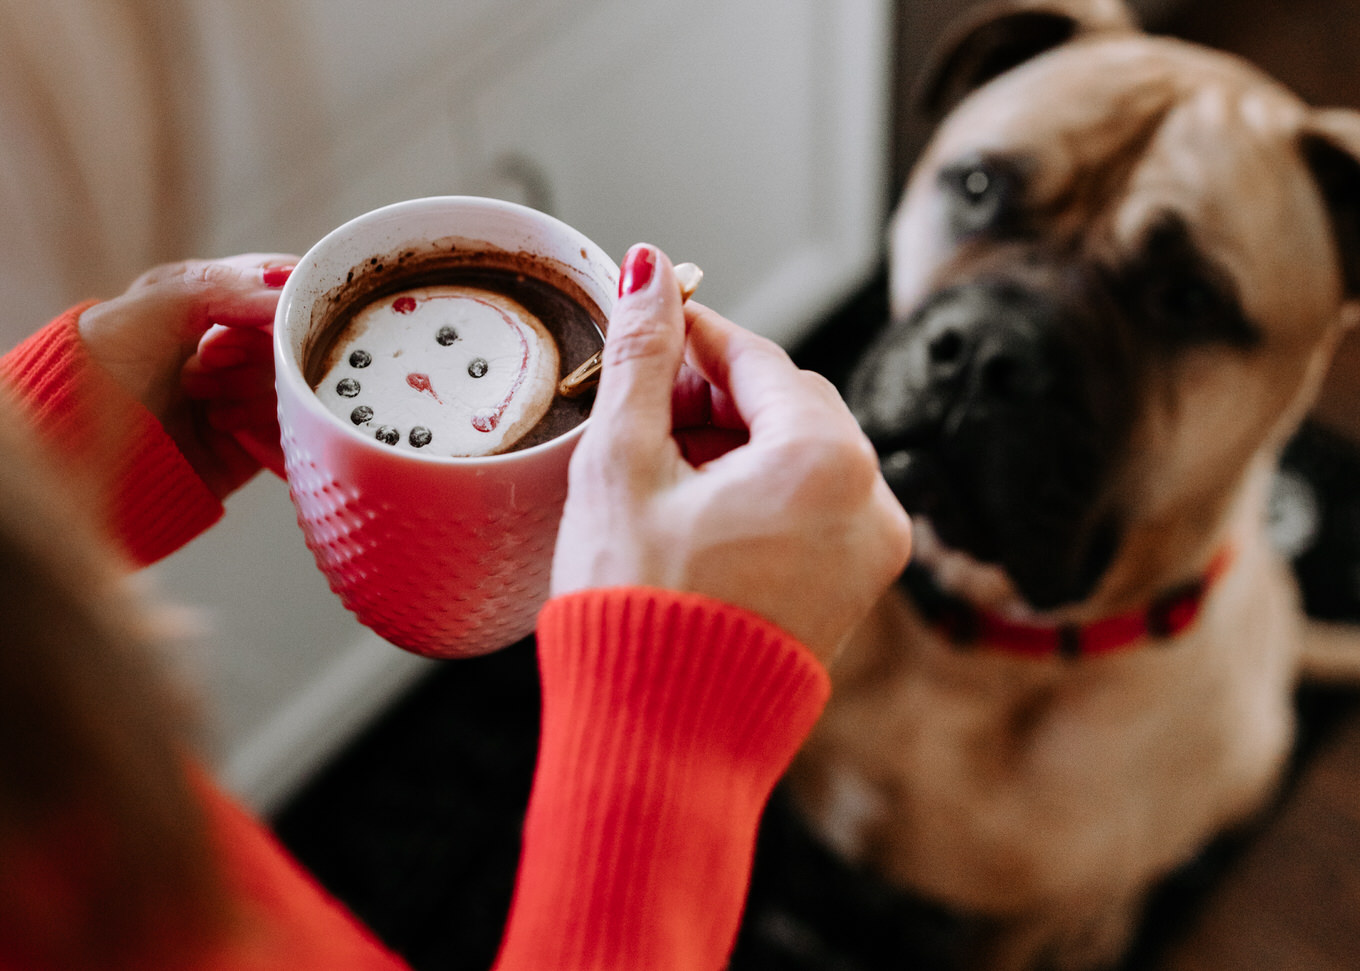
point(714, 465)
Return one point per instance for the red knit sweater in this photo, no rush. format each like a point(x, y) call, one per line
point(667, 719)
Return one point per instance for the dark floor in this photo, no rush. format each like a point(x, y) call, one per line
point(416, 824)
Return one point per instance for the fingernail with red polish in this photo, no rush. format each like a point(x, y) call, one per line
point(276, 276)
point(638, 267)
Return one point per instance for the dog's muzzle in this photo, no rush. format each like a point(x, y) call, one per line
point(980, 414)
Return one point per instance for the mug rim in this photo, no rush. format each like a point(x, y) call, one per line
point(287, 369)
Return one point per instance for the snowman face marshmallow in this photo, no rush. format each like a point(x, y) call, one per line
point(445, 370)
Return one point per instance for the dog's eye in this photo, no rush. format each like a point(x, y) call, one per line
point(976, 184)
point(1186, 300)
point(1190, 309)
point(982, 194)
point(1186, 297)
point(1193, 310)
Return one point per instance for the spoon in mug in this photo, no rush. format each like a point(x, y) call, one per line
point(586, 376)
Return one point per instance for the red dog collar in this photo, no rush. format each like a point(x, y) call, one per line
point(1169, 615)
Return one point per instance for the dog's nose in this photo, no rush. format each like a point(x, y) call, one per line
point(990, 346)
point(969, 356)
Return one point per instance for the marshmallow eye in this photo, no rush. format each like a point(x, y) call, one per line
point(446, 370)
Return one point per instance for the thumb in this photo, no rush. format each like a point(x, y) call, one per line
point(643, 351)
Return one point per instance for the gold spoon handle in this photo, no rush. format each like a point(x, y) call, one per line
point(586, 376)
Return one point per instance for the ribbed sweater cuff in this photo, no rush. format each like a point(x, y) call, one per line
point(156, 502)
point(667, 720)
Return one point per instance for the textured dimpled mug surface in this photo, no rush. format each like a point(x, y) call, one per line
point(443, 556)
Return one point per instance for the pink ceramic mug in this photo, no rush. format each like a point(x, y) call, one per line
point(446, 557)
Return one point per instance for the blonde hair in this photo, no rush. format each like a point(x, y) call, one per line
point(104, 851)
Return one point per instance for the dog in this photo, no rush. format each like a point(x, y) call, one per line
point(1117, 276)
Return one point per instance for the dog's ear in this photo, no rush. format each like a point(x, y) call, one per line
point(1330, 143)
point(999, 35)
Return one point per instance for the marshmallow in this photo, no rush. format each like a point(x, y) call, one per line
point(443, 370)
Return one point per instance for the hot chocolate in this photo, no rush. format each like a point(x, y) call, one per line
point(457, 360)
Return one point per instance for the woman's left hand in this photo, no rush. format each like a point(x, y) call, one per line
point(211, 387)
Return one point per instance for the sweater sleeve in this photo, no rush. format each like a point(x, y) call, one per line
point(154, 501)
point(667, 720)
point(276, 916)
point(285, 920)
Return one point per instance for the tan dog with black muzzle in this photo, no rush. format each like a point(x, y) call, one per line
point(1117, 278)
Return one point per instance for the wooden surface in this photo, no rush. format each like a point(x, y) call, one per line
point(1291, 902)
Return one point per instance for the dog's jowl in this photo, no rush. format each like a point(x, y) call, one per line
point(1118, 274)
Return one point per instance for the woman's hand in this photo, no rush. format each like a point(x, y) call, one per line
point(712, 464)
point(193, 343)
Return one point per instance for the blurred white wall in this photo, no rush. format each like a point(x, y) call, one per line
point(749, 136)
point(84, 139)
